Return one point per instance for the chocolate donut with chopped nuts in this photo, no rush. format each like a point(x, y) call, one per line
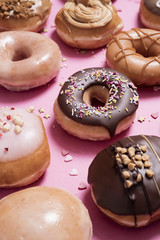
point(96, 103)
point(28, 15)
point(125, 180)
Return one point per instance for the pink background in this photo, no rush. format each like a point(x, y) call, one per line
point(83, 151)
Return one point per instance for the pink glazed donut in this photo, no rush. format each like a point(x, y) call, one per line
point(27, 60)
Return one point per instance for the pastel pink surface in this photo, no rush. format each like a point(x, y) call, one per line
point(83, 152)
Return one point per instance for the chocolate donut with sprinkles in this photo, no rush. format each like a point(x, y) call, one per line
point(125, 180)
point(96, 104)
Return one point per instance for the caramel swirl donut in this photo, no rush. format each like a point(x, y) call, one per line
point(87, 24)
point(150, 13)
point(24, 151)
point(96, 104)
point(27, 59)
point(136, 53)
point(125, 180)
point(44, 213)
point(27, 15)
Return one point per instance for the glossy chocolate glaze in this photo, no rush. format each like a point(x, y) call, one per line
point(153, 6)
point(123, 98)
point(105, 178)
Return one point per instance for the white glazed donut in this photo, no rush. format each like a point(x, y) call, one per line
point(44, 213)
point(28, 15)
point(27, 60)
point(24, 151)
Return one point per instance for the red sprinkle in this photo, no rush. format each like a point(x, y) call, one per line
point(6, 149)
point(12, 108)
point(9, 117)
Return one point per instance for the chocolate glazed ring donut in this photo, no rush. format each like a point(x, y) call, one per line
point(136, 53)
point(125, 180)
point(117, 103)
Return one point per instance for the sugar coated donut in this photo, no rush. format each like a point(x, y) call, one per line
point(96, 104)
point(28, 15)
point(24, 151)
point(87, 24)
point(125, 180)
point(136, 53)
point(44, 213)
point(27, 64)
point(150, 13)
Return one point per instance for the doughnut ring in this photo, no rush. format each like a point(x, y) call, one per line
point(88, 24)
point(128, 171)
point(117, 102)
point(27, 64)
point(26, 15)
point(136, 53)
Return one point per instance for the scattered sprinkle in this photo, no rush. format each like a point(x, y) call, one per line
point(82, 186)
point(83, 51)
point(46, 116)
point(30, 109)
point(68, 158)
point(73, 172)
point(45, 30)
point(141, 119)
point(156, 88)
point(41, 110)
point(155, 115)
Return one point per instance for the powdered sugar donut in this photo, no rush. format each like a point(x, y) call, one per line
point(44, 213)
point(24, 151)
point(27, 59)
point(28, 15)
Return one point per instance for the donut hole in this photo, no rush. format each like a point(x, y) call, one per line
point(146, 51)
point(20, 54)
point(96, 96)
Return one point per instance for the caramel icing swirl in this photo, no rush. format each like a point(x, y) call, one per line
point(87, 14)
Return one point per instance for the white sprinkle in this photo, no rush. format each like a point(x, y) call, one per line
point(17, 129)
point(73, 172)
point(82, 185)
point(30, 109)
point(46, 116)
point(6, 127)
point(41, 110)
point(68, 158)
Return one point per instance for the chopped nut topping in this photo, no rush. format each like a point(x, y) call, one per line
point(6, 127)
point(131, 166)
point(138, 157)
point(149, 173)
point(119, 149)
point(126, 174)
point(17, 121)
point(143, 148)
point(17, 8)
point(145, 157)
point(139, 164)
point(139, 178)
point(131, 151)
point(124, 150)
point(17, 129)
point(128, 184)
point(147, 164)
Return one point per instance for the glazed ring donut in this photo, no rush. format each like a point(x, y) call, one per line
point(136, 53)
point(28, 15)
point(87, 24)
point(44, 213)
point(96, 104)
point(150, 13)
point(24, 151)
point(125, 179)
point(27, 64)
